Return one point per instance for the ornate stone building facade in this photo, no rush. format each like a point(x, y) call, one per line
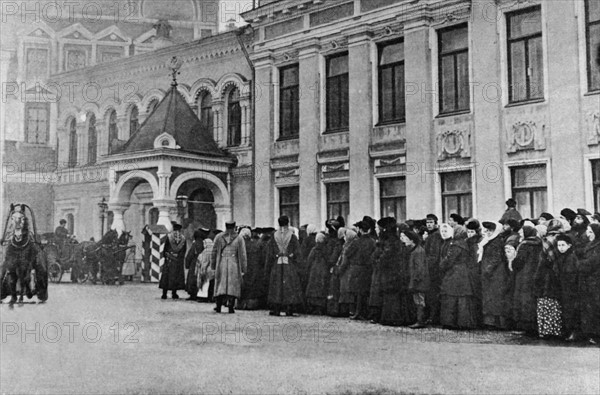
point(408, 107)
point(343, 107)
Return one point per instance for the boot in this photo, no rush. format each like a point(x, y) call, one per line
point(174, 295)
point(231, 305)
point(420, 318)
point(219, 303)
point(164, 295)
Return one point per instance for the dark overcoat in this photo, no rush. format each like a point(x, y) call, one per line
point(589, 289)
point(495, 279)
point(172, 274)
point(524, 302)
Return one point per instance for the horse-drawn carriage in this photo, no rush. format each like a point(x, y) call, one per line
point(88, 260)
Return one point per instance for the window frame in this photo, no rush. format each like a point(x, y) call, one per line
point(595, 182)
point(113, 129)
point(236, 139)
point(294, 107)
point(589, 60)
point(445, 194)
point(342, 81)
point(294, 220)
point(37, 106)
point(92, 142)
point(526, 39)
point(530, 189)
point(72, 159)
point(133, 126)
point(395, 197)
point(454, 54)
point(393, 66)
point(339, 203)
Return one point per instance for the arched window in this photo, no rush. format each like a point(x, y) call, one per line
point(234, 118)
point(72, 143)
point(113, 131)
point(205, 113)
point(134, 122)
point(70, 223)
point(92, 139)
point(152, 105)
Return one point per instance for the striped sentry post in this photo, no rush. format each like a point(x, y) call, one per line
point(157, 259)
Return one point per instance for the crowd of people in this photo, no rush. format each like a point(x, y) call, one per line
point(539, 277)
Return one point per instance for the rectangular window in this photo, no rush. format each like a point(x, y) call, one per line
point(392, 106)
point(289, 102)
point(289, 204)
point(596, 183)
point(392, 196)
point(453, 55)
point(530, 190)
point(337, 104)
point(457, 194)
point(37, 123)
point(592, 27)
point(525, 55)
point(338, 200)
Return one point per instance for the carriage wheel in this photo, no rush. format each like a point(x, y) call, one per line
point(54, 272)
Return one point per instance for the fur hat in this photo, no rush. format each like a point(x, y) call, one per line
point(546, 216)
point(511, 202)
point(473, 224)
point(387, 222)
point(489, 225)
point(457, 218)
point(412, 236)
point(564, 237)
point(568, 214)
point(432, 217)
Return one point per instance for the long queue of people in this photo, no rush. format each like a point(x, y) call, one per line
point(539, 277)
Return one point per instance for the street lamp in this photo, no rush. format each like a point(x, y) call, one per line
point(103, 207)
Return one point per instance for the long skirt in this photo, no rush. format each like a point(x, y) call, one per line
point(458, 311)
point(398, 309)
point(549, 317)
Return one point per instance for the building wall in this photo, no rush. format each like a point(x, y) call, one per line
point(488, 140)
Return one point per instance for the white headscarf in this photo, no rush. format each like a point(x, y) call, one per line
point(246, 233)
point(487, 239)
point(311, 229)
point(449, 229)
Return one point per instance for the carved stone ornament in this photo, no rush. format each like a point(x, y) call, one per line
point(526, 135)
point(335, 167)
point(592, 121)
point(454, 143)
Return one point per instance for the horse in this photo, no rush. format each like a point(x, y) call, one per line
point(23, 272)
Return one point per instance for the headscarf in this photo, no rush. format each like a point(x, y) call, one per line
point(350, 235)
point(596, 230)
point(565, 224)
point(295, 231)
point(460, 232)
point(311, 229)
point(541, 230)
point(448, 228)
point(486, 239)
point(245, 233)
point(320, 238)
point(341, 232)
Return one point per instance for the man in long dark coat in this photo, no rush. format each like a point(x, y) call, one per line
point(191, 285)
point(282, 253)
point(228, 260)
point(173, 276)
point(432, 247)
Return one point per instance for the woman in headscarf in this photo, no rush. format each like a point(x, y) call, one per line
point(457, 296)
point(474, 237)
point(524, 265)
point(397, 304)
point(333, 296)
point(589, 286)
point(495, 278)
point(306, 247)
point(419, 274)
point(346, 300)
point(252, 290)
point(318, 279)
point(548, 286)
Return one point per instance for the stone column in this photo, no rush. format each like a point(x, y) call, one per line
point(361, 124)
point(310, 190)
point(82, 143)
point(420, 145)
point(165, 207)
point(263, 212)
point(118, 210)
point(218, 124)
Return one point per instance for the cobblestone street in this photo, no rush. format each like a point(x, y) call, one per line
point(110, 339)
